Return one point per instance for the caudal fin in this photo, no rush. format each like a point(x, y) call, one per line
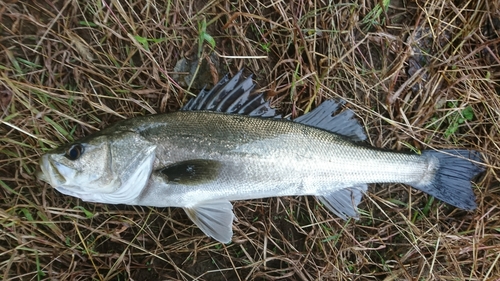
point(452, 182)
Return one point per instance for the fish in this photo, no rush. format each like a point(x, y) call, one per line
point(229, 144)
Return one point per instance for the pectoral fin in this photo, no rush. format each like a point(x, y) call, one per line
point(344, 202)
point(214, 218)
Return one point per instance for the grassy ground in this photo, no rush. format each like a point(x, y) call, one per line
point(419, 74)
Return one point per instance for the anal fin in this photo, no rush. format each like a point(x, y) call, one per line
point(344, 202)
point(214, 218)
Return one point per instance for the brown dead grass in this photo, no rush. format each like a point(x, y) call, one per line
point(69, 68)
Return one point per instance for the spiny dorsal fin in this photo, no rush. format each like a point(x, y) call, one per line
point(323, 117)
point(232, 96)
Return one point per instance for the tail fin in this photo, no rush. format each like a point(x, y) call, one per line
point(451, 183)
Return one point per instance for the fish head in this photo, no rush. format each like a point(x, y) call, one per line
point(107, 168)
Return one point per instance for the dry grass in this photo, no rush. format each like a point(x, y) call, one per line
point(69, 68)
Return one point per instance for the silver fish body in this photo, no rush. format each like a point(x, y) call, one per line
point(259, 157)
point(209, 154)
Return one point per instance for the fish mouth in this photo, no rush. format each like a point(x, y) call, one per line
point(41, 172)
point(40, 175)
point(45, 170)
point(51, 172)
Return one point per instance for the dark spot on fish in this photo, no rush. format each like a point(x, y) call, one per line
point(191, 172)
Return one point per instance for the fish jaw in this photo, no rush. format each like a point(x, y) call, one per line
point(56, 174)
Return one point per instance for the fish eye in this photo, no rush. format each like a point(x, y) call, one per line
point(74, 152)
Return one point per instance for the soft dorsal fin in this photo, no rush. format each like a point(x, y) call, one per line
point(323, 117)
point(232, 96)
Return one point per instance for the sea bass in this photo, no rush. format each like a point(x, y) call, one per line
point(227, 144)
